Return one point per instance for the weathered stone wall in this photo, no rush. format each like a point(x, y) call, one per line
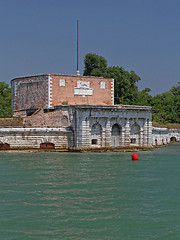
point(113, 126)
point(43, 118)
point(161, 136)
point(23, 138)
point(83, 126)
point(29, 93)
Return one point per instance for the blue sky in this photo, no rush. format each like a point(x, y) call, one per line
point(39, 36)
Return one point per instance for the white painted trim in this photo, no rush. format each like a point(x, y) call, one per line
point(49, 82)
point(112, 91)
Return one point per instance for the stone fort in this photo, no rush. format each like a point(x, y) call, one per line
point(75, 111)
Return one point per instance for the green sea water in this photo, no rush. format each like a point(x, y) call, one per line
point(90, 195)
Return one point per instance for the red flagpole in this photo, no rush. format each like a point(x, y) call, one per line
point(77, 47)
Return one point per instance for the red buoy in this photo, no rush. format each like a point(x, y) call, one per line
point(134, 157)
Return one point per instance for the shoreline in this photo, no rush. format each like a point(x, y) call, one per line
point(83, 150)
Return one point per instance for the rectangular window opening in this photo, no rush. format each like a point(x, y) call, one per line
point(94, 141)
point(133, 140)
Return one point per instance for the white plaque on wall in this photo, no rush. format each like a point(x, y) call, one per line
point(83, 89)
point(103, 85)
point(82, 84)
point(62, 83)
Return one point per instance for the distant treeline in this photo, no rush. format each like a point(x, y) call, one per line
point(5, 101)
point(166, 105)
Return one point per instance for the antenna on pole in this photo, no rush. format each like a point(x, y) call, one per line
point(78, 73)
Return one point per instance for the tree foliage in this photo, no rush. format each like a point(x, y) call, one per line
point(167, 104)
point(175, 90)
point(144, 98)
point(95, 65)
point(5, 101)
point(124, 82)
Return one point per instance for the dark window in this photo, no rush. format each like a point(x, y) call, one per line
point(30, 112)
point(94, 141)
point(133, 140)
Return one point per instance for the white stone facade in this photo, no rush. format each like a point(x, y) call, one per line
point(112, 126)
point(161, 136)
point(24, 138)
point(89, 126)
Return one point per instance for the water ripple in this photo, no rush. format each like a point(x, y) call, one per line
point(90, 196)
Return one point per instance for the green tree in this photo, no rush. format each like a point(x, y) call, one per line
point(124, 82)
point(175, 90)
point(94, 65)
point(164, 103)
point(144, 98)
point(5, 100)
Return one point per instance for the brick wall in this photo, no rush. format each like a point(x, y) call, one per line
point(74, 90)
point(44, 91)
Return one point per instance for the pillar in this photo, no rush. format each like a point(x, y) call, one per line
point(123, 134)
point(149, 130)
point(108, 133)
point(145, 133)
point(85, 133)
point(141, 137)
point(127, 133)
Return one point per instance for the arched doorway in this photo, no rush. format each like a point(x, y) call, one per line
point(173, 139)
point(116, 135)
point(96, 135)
point(135, 134)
